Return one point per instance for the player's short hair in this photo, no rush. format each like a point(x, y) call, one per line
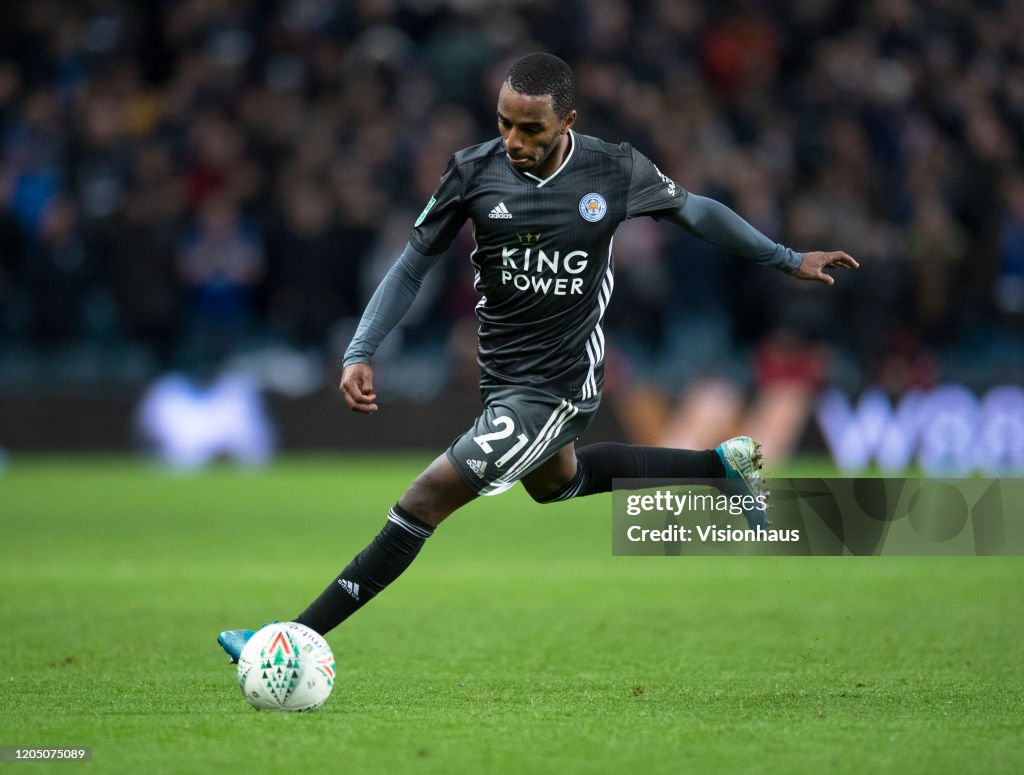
point(539, 74)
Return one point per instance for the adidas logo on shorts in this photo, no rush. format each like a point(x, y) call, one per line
point(500, 212)
point(478, 466)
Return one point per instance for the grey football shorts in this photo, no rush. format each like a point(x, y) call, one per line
point(519, 429)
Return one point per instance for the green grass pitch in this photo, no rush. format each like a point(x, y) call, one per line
point(515, 644)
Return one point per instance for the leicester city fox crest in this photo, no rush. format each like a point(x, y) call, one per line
point(593, 207)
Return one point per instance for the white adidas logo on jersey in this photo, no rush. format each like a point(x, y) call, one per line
point(478, 466)
point(500, 212)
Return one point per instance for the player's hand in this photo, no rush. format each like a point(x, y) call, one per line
point(357, 387)
point(814, 264)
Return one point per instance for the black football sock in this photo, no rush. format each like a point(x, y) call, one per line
point(380, 563)
point(598, 464)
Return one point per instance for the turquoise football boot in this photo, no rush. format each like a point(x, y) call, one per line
point(233, 641)
point(742, 459)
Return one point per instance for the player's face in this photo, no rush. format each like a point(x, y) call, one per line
point(535, 138)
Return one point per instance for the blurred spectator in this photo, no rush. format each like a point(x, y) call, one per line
point(937, 249)
point(141, 262)
point(1009, 290)
point(59, 272)
point(314, 264)
point(35, 158)
point(220, 263)
point(219, 165)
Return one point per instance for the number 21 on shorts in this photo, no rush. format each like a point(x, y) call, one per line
point(508, 427)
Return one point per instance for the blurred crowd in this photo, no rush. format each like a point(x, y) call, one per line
point(187, 181)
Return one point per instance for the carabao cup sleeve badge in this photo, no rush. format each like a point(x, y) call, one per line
point(593, 207)
point(426, 210)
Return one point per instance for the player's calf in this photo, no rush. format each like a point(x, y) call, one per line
point(598, 465)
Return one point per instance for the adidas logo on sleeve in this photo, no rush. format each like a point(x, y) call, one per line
point(500, 212)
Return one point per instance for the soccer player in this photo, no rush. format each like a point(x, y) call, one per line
point(544, 202)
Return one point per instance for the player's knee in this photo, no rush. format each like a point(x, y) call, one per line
point(436, 493)
point(548, 492)
point(426, 500)
point(419, 500)
point(538, 495)
point(552, 481)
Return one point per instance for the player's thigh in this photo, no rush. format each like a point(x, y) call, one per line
point(518, 432)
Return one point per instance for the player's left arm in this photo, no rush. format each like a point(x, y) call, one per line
point(713, 222)
point(813, 264)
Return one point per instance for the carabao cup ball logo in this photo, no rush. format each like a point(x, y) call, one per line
point(286, 667)
point(593, 207)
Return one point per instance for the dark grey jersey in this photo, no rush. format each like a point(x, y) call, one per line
point(543, 257)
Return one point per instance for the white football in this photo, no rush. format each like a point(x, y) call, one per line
point(286, 666)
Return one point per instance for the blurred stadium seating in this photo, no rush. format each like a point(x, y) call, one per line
point(196, 186)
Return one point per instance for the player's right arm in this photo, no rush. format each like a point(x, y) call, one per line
point(431, 235)
point(388, 304)
point(357, 387)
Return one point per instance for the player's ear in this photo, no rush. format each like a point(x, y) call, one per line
point(568, 121)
